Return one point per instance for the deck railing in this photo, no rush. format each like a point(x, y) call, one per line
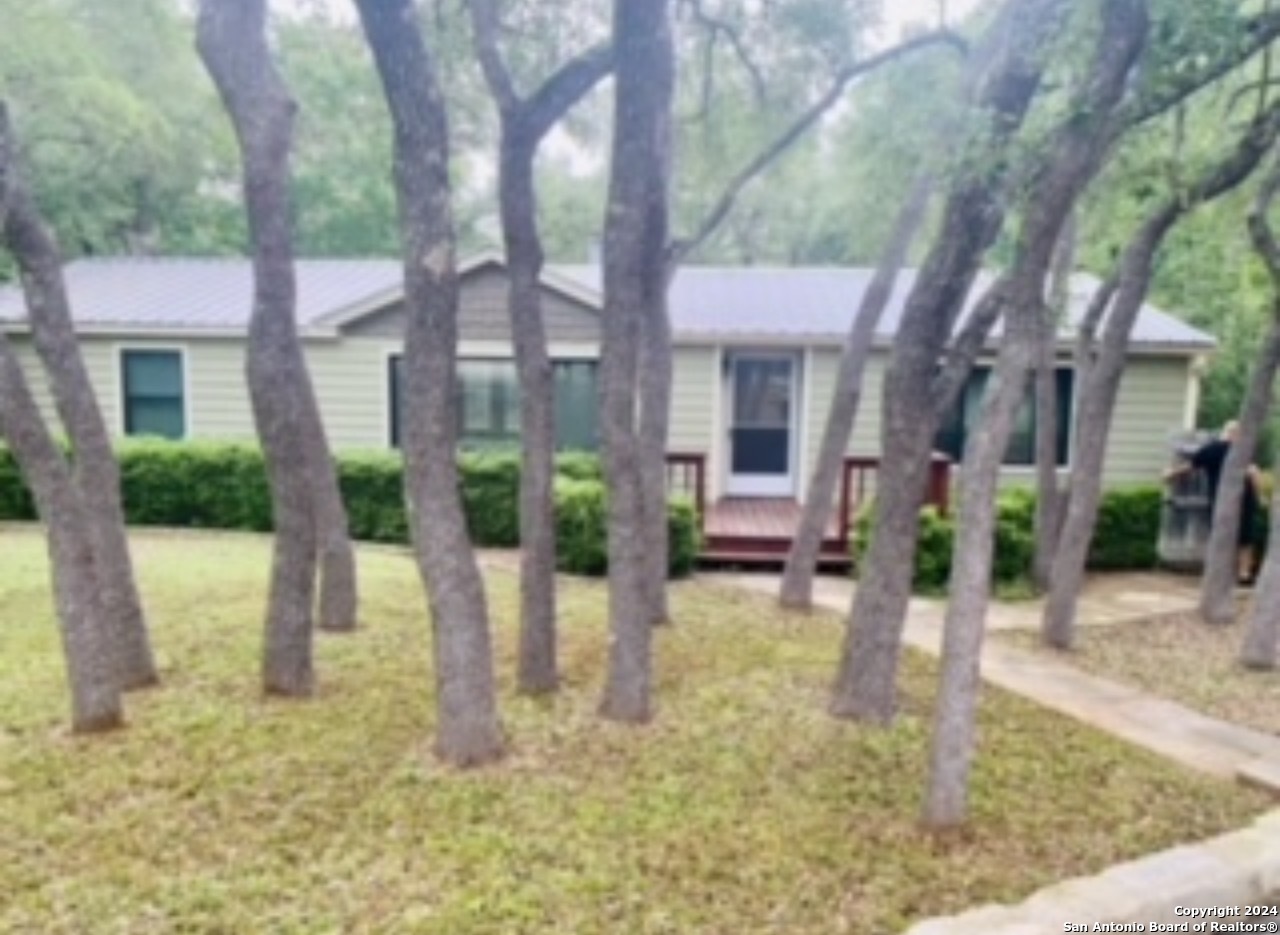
point(687, 475)
point(858, 482)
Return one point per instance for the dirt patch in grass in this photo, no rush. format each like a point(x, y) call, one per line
point(1181, 658)
point(743, 808)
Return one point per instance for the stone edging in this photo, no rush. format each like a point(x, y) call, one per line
point(1237, 869)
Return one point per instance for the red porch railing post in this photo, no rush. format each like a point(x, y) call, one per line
point(846, 507)
point(940, 483)
point(696, 463)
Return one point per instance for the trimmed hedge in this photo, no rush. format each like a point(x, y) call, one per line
point(581, 530)
point(223, 485)
point(1124, 539)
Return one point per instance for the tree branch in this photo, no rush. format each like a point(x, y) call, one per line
point(1263, 30)
point(1260, 230)
point(565, 88)
point(485, 25)
point(968, 343)
point(683, 247)
point(717, 27)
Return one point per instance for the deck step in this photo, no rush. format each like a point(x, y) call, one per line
point(730, 557)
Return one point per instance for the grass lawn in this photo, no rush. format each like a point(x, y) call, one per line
point(1180, 658)
point(743, 808)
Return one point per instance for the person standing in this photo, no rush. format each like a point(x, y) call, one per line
point(1210, 458)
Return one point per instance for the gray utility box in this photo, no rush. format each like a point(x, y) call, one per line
point(1186, 518)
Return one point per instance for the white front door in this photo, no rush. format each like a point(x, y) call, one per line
point(762, 420)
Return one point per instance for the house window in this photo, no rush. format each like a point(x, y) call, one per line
point(489, 403)
point(1022, 443)
point(154, 400)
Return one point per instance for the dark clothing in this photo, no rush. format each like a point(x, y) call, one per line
point(1210, 459)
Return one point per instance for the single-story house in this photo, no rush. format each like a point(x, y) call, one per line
point(756, 352)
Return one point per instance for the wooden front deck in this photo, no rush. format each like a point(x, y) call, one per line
point(753, 530)
point(758, 531)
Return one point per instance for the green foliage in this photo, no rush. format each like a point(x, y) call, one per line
point(1124, 538)
point(220, 485)
point(581, 523)
point(1128, 529)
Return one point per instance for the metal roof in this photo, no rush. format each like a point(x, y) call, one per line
point(203, 294)
point(711, 303)
point(819, 303)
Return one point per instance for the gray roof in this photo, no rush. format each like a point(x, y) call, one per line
point(756, 303)
point(204, 294)
point(818, 303)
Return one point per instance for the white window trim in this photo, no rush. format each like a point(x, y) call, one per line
point(184, 357)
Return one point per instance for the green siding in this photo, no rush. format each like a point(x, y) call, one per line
point(1151, 408)
point(350, 378)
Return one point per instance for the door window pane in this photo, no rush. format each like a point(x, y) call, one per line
point(152, 384)
point(761, 416)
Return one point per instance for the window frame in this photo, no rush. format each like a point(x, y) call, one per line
point(122, 396)
point(393, 430)
point(1061, 365)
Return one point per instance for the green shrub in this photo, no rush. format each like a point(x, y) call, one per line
point(1125, 538)
point(491, 497)
point(581, 519)
point(15, 499)
point(372, 486)
point(1128, 529)
point(219, 485)
point(581, 547)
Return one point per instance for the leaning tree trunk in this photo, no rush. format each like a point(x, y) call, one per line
point(232, 42)
point(1096, 403)
point(1217, 586)
point(536, 669)
point(1217, 599)
point(525, 122)
point(635, 266)
point(1048, 489)
point(92, 667)
point(802, 561)
point(969, 590)
point(95, 471)
point(1073, 157)
point(468, 731)
point(1010, 70)
point(1259, 648)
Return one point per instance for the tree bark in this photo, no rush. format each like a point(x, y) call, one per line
point(802, 561)
point(635, 281)
point(1217, 587)
point(536, 668)
point(231, 38)
point(1048, 489)
point(656, 372)
point(1096, 402)
point(524, 123)
point(93, 668)
point(303, 477)
point(468, 730)
point(91, 660)
point(1260, 643)
point(1008, 71)
point(95, 472)
point(1259, 649)
point(955, 729)
point(1073, 157)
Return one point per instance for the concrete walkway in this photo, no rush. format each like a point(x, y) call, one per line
point(1165, 727)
